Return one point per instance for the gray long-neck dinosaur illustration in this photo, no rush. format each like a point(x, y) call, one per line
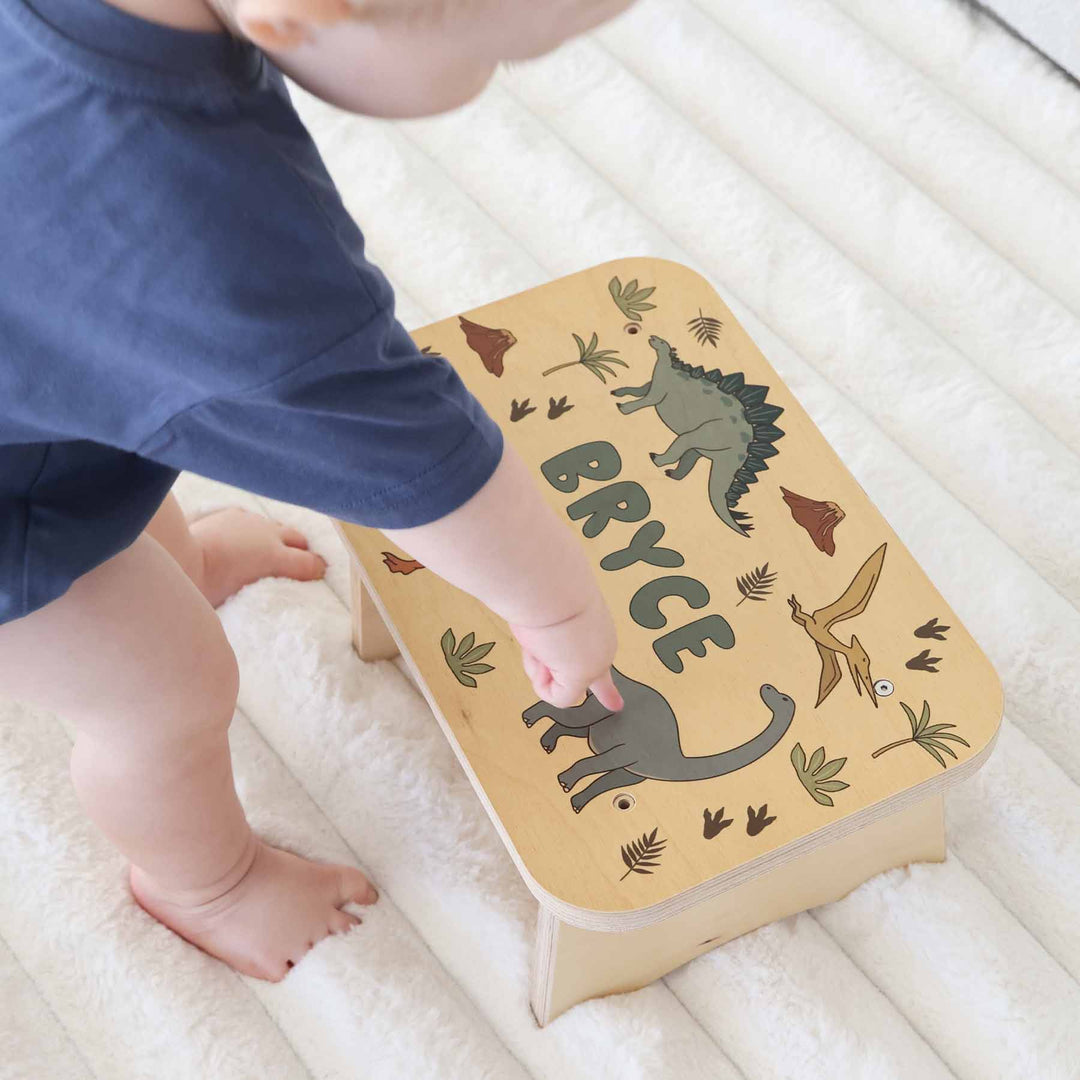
point(641, 740)
point(715, 416)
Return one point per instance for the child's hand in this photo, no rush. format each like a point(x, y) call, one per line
point(566, 660)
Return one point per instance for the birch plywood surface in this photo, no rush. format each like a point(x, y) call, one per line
point(807, 723)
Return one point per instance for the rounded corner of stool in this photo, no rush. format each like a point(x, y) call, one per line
point(656, 261)
point(997, 710)
point(589, 918)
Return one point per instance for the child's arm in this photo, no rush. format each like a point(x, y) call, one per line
point(507, 548)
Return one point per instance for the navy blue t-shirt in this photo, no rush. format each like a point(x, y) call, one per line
point(181, 288)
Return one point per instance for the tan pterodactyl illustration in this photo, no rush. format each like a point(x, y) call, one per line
point(819, 626)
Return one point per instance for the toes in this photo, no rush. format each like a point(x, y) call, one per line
point(293, 537)
point(354, 888)
point(341, 922)
point(302, 565)
point(299, 955)
point(269, 972)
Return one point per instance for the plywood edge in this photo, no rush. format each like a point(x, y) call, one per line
point(541, 984)
point(587, 271)
point(615, 921)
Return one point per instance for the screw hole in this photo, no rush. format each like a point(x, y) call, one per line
point(624, 801)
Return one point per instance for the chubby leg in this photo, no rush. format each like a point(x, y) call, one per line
point(226, 549)
point(136, 658)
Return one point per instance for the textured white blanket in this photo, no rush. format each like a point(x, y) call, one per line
point(888, 197)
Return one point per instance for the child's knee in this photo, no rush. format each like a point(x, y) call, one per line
point(220, 681)
point(201, 694)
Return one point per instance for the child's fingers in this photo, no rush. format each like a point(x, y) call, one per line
point(532, 667)
point(540, 676)
point(607, 693)
point(563, 695)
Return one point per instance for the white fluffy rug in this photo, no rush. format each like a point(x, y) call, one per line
point(888, 197)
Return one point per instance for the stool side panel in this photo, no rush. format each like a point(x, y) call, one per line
point(574, 965)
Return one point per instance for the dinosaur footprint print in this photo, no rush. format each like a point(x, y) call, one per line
point(756, 821)
point(715, 824)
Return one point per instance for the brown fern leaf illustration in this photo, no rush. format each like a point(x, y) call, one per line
point(705, 328)
point(642, 853)
point(757, 584)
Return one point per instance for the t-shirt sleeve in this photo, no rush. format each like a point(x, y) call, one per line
point(370, 431)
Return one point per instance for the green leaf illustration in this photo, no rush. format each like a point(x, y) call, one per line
point(929, 738)
point(595, 361)
point(815, 775)
point(631, 299)
point(462, 659)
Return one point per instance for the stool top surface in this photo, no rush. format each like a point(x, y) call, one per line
point(785, 662)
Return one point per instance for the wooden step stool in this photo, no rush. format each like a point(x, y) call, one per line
point(798, 694)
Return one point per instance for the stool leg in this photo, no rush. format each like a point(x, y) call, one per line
point(371, 639)
point(571, 964)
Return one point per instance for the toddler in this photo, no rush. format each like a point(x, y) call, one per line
point(181, 288)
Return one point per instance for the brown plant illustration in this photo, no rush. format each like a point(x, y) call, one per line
point(706, 328)
point(639, 854)
point(398, 565)
point(816, 517)
point(488, 343)
point(757, 584)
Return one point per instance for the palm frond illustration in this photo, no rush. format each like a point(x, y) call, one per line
point(816, 775)
point(929, 738)
point(462, 659)
point(757, 584)
point(631, 299)
point(593, 360)
point(642, 853)
point(705, 328)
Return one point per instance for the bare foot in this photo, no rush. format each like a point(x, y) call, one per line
point(270, 918)
point(240, 547)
